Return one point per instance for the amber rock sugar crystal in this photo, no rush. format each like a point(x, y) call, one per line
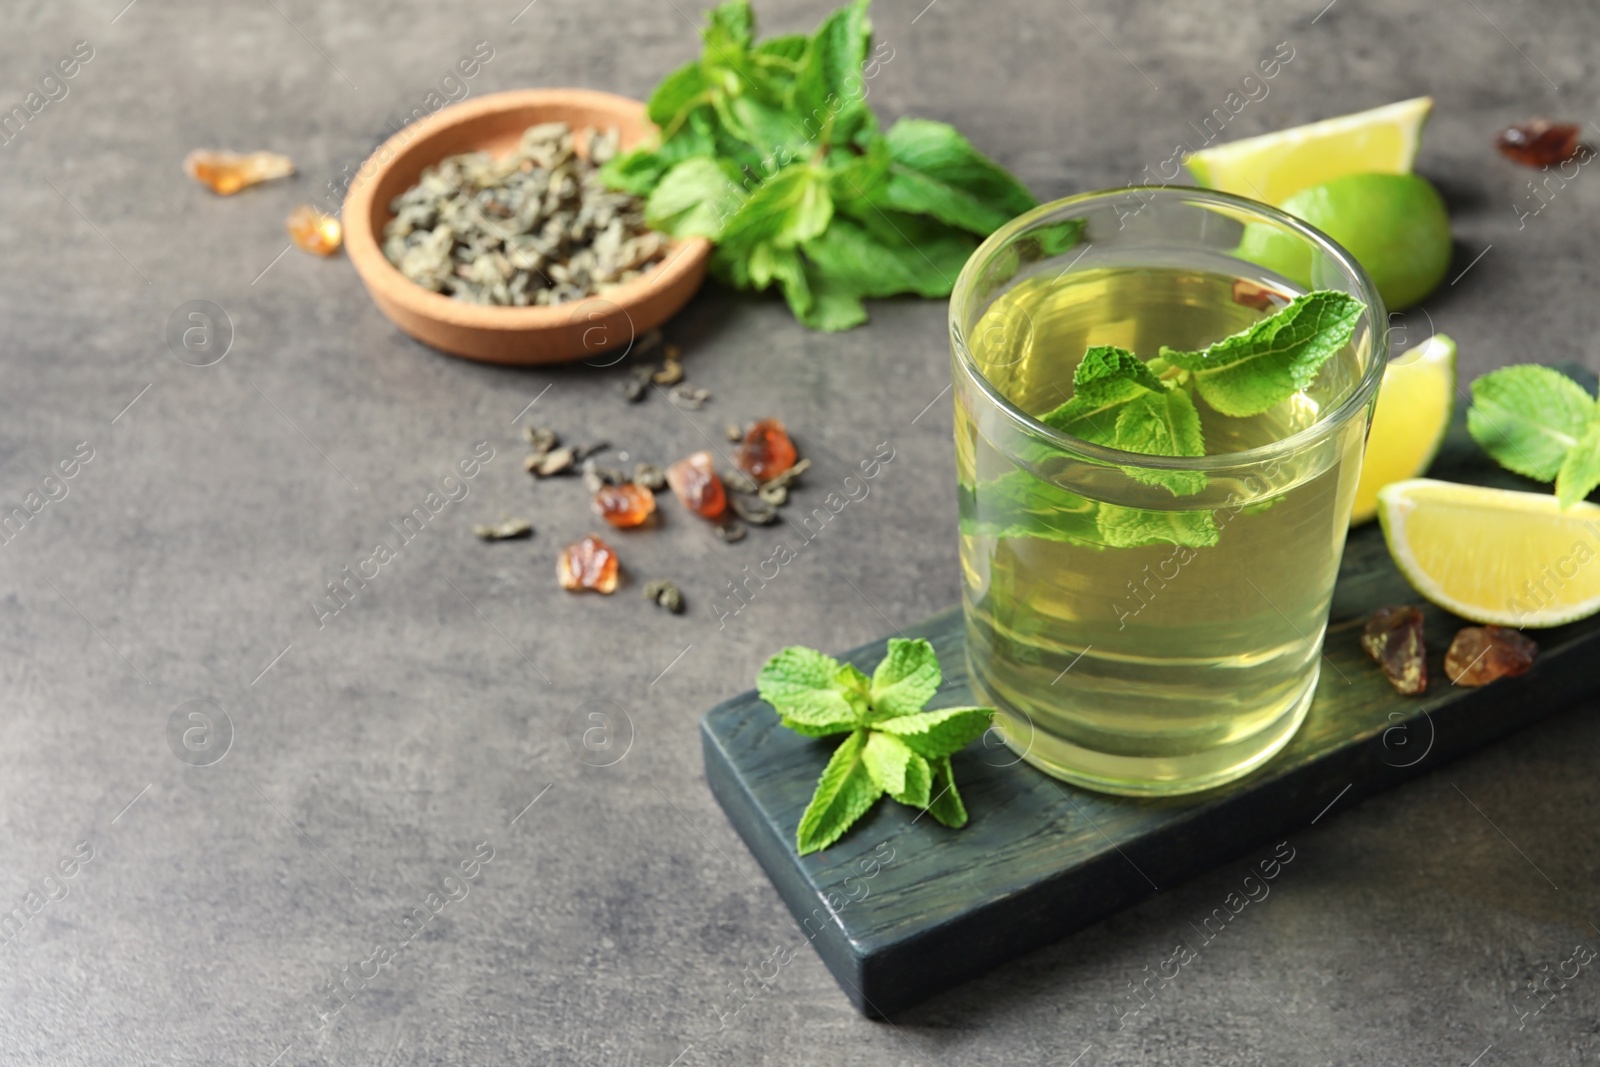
point(314, 231)
point(1393, 637)
point(624, 505)
point(588, 564)
point(1482, 654)
point(228, 172)
point(1538, 143)
point(766, 451)
point(695, 483)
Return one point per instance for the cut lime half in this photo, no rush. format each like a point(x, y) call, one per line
point(1415, 403)
point(1275, 166)
point(1494, 555)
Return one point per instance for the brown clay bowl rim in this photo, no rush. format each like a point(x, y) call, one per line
point(361, 242)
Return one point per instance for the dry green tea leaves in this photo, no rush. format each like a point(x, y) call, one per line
point(540, 440)
point(509, 530)
point(665, 594)
point(650, 476)
point(556, 461)
point(534, 228)
point(753, 510)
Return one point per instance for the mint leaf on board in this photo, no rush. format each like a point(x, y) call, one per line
point(905, 679)
point(844, 793)
point(901, 773)
point(804, 687)
point(791, 113)
point(893, 746)
point(937, 172)
point(1580, 471)
point(935, 734)
point(1528, 418)
point(945, 803)
point(1267, 363)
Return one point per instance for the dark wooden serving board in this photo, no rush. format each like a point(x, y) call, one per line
point(902, 908)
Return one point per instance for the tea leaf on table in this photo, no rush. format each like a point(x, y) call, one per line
point(1262, 366)
point(1529, 417)
point(844, 793)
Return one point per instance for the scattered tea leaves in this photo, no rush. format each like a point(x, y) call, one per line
point(665, 594)
point(650, 476)
point(556, 461)
point(508, 530)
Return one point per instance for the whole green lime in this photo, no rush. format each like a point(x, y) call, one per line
point(1394, 224)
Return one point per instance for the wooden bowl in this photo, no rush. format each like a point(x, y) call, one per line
point(575, 330)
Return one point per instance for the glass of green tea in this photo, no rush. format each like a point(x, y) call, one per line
point(1150, 624)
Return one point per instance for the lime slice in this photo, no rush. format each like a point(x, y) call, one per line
point(1494, 555)
point(1415, 402)
point(1275, 166)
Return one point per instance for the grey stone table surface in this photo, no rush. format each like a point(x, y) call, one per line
point(383, 754)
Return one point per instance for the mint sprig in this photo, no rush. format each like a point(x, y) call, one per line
point(1152, 408)
point(770, 150)
point(893, 746)
point(1541, 424)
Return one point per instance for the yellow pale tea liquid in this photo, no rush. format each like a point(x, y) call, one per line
point(1160, 668)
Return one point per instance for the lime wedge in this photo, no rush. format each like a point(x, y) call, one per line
point(1494, 555)
point(1415, 402)
point(1275, 166)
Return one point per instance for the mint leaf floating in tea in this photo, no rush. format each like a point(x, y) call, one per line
point(1264, 365)
point(770, 150)
point(1120, 401)
point(893, 746)
point(1541, 424)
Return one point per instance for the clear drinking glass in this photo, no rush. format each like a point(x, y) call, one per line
point(1135, 641)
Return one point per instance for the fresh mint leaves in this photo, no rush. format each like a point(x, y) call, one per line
point(1264, 365)
point(893, 745)
point(1541, 424)
point(1120, 401)
point(770, 150)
